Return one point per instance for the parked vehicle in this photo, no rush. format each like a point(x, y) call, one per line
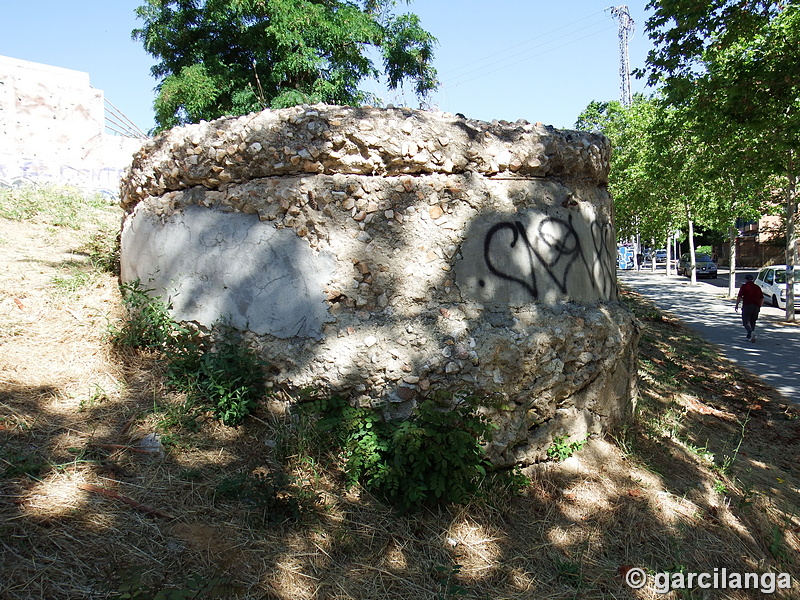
point(704, 265)
point(772, 281)
point(661, 256)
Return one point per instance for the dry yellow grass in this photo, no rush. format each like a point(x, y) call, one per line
point(73, 411)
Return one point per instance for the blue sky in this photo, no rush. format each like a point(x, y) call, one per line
point(536, 60)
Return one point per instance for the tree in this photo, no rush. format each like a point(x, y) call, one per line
point(651, 175)
point(675, 166)
point(734, 183)
point(637, 203)
point(739, 59)
point(232, 57)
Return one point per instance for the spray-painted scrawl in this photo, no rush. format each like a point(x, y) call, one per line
point(538, 256)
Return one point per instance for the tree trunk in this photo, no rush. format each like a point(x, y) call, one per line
point(733, 233)
point(653, 255)
point(668, 246)
point(791, 239)
point(639, 252)
point(691, 252)
point(692, 265)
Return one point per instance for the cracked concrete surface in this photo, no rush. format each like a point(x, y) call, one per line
point(230, 267)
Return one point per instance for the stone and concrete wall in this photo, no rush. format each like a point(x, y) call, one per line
point(52, 128)
point(386, 253)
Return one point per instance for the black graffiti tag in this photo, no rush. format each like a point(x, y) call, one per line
point(517, 231)
point(557, 250)
point(604, 246)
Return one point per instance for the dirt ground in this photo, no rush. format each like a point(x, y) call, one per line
point(706, 479)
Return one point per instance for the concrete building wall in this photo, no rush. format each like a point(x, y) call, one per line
point(52, 126)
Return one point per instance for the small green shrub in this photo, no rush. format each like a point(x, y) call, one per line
point(222, 375)
point(562, 448)
point(433, 457)
point(147, 322)
point(133, 587)
point(275, 495)
point(227, 377)
point(185, 415)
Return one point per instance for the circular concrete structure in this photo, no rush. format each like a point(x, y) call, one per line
point(386, 253)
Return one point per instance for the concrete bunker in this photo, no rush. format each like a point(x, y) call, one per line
point(387, 253)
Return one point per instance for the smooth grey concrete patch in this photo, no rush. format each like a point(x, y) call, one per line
point(215, 266)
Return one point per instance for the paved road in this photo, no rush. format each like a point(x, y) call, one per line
point(775, 356)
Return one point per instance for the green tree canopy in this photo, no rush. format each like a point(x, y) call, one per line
point(232, 57)
point(736, 63)
point(671, 170)
point(641, 182)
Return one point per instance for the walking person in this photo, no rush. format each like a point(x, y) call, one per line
point(751, 298)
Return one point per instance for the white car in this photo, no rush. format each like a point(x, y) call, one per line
point(772, 281)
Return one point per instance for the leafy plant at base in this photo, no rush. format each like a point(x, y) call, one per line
point(147, 321)
point(433, 457)
point(133, 588)
point(275, 494)
point(225, 376)
point(562, 449)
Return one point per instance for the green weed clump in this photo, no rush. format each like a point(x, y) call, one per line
point(59, 206)
point(562, 448)
point(226, 377)
point(102, 248)
point(216, 372)
point(276, 496)
point(434, 457)
point(71, 282)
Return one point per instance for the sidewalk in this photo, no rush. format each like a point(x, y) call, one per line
point(775, 356)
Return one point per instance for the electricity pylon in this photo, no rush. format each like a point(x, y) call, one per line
point(626, 27)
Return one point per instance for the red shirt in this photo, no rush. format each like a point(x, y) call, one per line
point(750, 293)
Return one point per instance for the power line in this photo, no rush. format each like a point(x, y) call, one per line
point(449, 79)
point(473, 63)
point(484, 72)
point(117, 122)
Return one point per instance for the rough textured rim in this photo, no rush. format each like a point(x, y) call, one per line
point(389, 141)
